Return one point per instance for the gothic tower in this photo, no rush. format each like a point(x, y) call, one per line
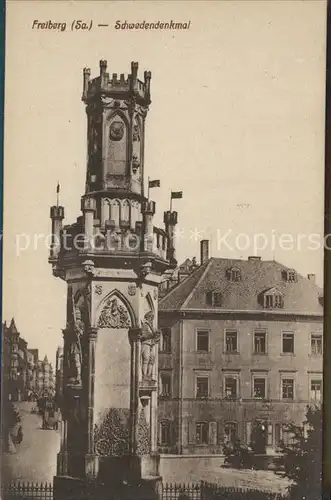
point(112, 259)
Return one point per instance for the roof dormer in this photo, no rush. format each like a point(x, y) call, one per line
point(233, 274)
point(273, 299)
point(290, 275)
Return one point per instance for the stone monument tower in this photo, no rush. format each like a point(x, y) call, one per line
point(112, 259)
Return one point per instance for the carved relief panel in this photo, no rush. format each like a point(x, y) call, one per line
point(116, 132)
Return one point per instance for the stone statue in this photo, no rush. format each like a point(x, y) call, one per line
point(74, 351)
point(149, 338)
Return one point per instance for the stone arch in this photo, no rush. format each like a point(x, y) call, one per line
point(115, 211)
point(123, 317)
point(120, 114)
point(117, 144)
point(125, 210)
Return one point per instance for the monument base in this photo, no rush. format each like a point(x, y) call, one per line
point(118, 478)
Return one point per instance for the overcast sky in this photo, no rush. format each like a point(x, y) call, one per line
point(236, 123)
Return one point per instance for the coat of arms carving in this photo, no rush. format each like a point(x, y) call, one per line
point(116, 130)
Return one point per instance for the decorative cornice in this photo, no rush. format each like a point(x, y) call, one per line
point(268, 314)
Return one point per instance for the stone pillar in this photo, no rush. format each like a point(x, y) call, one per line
point(88, 206)
point(148, 213)
point(62, 457)
point(134, 338)
point(57, 216)
point(170, 220)
point(91, 459)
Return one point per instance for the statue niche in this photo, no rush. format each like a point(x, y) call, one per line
point(114, 315)
point(149, 338)
point(77, 318)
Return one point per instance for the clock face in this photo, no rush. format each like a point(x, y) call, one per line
point(116, 130)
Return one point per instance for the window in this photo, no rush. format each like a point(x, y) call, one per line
point(165, 340)
point(165, 433)
point(165, 384)
point(231, 341)
point(316, 344)
point(202, 432)
point(316, 390)
point(259, 387)
point(230, 387)
point(216, 299)
point(291, 275)
point(260, 341)
point(203, 340)
point(288, 388)
point(288, 343)
point(230, 432)
point(273, 301)
point(234, 274)
point(287, 437)
point(202, 387)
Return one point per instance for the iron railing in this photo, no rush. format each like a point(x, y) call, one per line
point(169, 491)
point(27, 491)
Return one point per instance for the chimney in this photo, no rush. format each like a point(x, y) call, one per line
point(204, 251)
point(311, 277)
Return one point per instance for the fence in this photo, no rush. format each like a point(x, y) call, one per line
point(27, 491)
point(169, 491)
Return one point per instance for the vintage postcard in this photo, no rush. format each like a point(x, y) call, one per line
point(163, 245)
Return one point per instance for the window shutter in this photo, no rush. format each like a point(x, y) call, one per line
point(191, 433)
point(173, 437)
point(248, 432)
point(220, 432)
point(278, 434)
point(212, 433)
point(270, 435)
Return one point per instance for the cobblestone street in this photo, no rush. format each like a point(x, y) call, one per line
point(35, 457)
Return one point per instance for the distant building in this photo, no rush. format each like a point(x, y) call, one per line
point(45, 384)
point(21, 367)
point(241, 348)
point(178, 275)
point(59, 375)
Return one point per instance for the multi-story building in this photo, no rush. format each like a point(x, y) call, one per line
point(241, 348)
point(45, 384)
point(23, 373)
point(59, 375)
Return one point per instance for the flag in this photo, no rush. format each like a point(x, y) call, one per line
point(58, 188)
point(154, 184)
point(176, 194)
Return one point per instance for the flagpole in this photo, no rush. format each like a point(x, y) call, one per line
point(148, 189)
point(170, 201)
point(57, 193)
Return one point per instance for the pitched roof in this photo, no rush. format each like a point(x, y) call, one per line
point(257, 277)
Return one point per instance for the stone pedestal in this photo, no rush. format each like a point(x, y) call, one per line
point(122, 478)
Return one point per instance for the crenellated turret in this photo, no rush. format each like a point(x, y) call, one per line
point(57, 216)
point(148, 214)
point(116, 218)
point(170, 221)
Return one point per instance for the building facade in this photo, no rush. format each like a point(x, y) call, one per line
point(242, 347)
point(24, 376)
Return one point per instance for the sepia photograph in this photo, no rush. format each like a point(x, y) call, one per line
point(163, 250)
